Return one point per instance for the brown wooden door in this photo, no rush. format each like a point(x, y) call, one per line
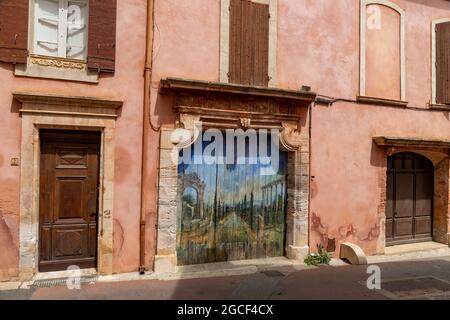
point(409, 214)
point(69, 176)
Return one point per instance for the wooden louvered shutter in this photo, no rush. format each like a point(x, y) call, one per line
point(14, 31)
point(260, 18)
point(236, 25)
point(443, 63)
point(102, 35)
point(249, 43)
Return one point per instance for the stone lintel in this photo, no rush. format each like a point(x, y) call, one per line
point(412, 142)
point(51, 103)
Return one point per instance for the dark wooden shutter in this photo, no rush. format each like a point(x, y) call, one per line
point(14, 31)
point(260, 20)
point(443, 63)
point(249, 43)
point(102, 35)
point(235, 41)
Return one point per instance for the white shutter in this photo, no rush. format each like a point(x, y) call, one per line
point(77, 29)
point(46, 27)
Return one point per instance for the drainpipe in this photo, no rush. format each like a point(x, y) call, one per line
point(147, 124)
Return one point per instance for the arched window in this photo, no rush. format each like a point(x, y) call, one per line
point(382, 56)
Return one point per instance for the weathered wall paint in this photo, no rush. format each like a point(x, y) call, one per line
point(126, 84)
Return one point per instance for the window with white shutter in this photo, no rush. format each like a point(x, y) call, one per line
point(61, 28)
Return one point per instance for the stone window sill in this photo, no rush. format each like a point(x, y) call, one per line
point(382, 102)
point(438, 106)
point(56, 68)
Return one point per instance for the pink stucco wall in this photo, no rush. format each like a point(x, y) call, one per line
point(318, 45)
point(126, 84)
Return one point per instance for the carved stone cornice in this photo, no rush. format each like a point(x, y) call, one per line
point(44, 103)
point(192, 87)
point(57, 62)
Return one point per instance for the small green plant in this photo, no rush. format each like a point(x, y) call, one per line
point(319, 258)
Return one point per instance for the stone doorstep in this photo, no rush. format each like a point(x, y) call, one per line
point(414, 247)
point(13, 285)
point(406, 252)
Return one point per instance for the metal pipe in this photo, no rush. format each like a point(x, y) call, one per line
point(146, 123)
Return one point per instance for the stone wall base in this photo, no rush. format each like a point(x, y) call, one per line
point(297, 253)
point(165, 263)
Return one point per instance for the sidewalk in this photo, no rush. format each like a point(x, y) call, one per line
point(405, 276)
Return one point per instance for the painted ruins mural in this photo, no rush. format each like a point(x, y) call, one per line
point(230, 212)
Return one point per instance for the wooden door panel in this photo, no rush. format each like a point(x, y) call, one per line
point(423, 226)
point(424, 194)
point(69, 242)
point(68, 199)
point(71, 158)
point(403, 227)
point(404, 195)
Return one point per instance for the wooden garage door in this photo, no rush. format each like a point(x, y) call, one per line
point(409, 214)
point(68, 206)
point(230, 211)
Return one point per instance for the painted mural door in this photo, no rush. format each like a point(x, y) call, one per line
point(409, 214)
point(68, 205)
point(231, 211)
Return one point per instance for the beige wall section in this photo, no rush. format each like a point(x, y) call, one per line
point(225, 39)
point(43, 111)
point(382, 50)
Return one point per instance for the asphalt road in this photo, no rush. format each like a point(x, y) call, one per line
point(424, 279)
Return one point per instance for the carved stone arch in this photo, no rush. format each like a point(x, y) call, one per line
point(435, 156)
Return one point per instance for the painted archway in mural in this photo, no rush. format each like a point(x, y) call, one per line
point(410, 189)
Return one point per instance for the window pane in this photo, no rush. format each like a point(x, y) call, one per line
point(46, 27)
point(77, 28)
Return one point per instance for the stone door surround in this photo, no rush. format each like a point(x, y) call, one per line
point(436, 150)
point(229, 106)
point(64, 112)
